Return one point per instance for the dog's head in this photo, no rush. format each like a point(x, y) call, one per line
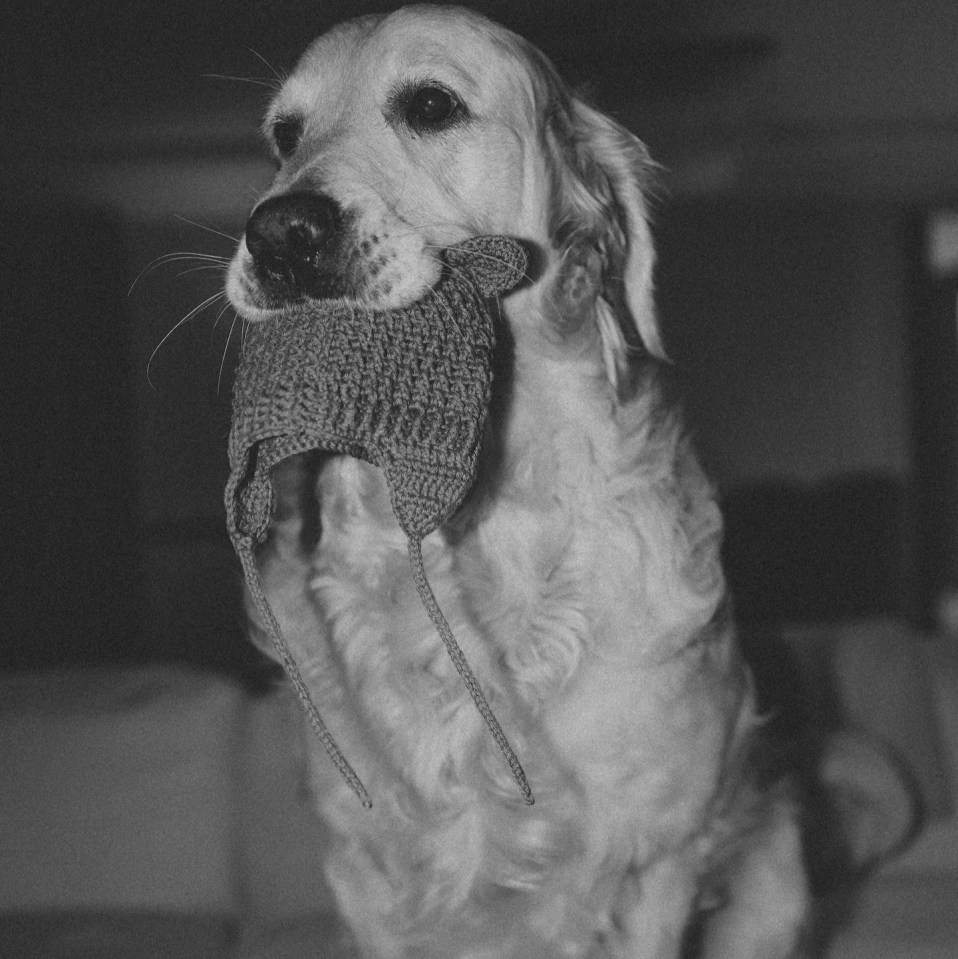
point(397, 136)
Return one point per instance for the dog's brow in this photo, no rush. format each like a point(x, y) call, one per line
point(442, 69)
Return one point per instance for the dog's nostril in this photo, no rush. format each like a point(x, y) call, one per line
point(286, 234)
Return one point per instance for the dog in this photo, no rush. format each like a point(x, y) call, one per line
point(581, 576)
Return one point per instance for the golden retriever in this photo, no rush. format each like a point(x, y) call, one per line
point(581, 576)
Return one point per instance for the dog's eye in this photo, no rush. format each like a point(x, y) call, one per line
point(287, 132)
point(425, 108)
point(430, 107)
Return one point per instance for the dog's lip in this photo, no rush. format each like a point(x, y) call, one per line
point(257, 306)
point(258, 314)
point(249, 300)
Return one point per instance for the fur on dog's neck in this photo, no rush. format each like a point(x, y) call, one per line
point(587, 429)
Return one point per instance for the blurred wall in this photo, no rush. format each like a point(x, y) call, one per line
point(787, 324)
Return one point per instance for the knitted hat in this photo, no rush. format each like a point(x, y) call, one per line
point(406, 390)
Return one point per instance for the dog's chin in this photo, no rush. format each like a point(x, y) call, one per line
point(246, 298)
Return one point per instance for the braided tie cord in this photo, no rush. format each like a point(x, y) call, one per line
point(295, 677)
point(462, 666)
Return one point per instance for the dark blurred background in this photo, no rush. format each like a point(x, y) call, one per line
point(808, 231)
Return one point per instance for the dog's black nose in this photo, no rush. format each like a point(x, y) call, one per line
point(290, 238)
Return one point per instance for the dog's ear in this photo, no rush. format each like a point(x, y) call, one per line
point(602, 180)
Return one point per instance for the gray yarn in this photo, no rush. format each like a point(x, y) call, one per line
point(406, 390)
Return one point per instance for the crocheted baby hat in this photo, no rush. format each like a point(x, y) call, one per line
point(406, 390)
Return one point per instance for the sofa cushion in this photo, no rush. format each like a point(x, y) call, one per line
point(307, 937)
point(902, 918)
point(120, 935)
point(283, 840)
point(867, 675)
point(117, 790)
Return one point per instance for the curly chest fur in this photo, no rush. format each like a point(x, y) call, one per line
point(582, 581)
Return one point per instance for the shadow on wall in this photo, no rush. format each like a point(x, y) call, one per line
point(114, 540)
point(819, 553)
point(72, 530)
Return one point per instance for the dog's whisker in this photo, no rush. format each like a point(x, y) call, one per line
point(174, 258)
point(209, 229)
point(217, 267)
point(281, 75)
point(219, 316)
point(182, 255)
point(196, 310)
point(208, 257)
point(269, 84)
point(226, 347)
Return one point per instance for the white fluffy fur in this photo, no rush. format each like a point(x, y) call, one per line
point(581, 578)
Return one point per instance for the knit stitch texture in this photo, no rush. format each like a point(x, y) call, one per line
point(406, 390)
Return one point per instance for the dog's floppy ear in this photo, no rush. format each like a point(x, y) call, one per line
point(602, 179)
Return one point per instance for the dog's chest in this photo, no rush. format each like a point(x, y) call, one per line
point(570, 600)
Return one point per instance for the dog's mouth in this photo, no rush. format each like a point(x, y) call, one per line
point(304, 247)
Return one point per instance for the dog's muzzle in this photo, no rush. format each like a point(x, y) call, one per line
point(295, 240)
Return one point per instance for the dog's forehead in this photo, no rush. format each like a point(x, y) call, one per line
point(361, 59)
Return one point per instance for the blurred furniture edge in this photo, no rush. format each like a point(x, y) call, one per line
point(157, 811)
